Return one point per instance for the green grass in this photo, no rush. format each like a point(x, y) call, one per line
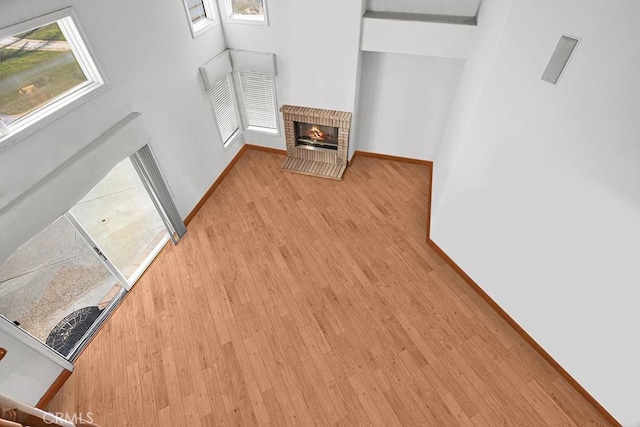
point(56, 77)
point(40, 75)
point(48, 32)
point(16, 61)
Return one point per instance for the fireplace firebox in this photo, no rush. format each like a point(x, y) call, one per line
point(316, 136)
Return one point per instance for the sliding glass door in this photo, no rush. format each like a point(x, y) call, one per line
point(55, 287)
point(61, 285)
point(121, 218)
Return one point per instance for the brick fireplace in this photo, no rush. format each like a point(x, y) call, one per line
point(317, 141)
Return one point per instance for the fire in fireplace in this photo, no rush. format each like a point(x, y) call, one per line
point(316, 136)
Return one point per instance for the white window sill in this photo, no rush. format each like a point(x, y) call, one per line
point(202, 27)
point(268, 131)
point(247, 19)
point(232, 139)
point(49, 113)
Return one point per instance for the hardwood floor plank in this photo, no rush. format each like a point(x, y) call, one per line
point(303, 416)
point(366, 400)
point(295, 300)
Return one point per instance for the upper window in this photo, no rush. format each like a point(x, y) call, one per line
point(259, 100)
point(201, 15)
point(225, 110)
point(251, 11)
point(45, 70)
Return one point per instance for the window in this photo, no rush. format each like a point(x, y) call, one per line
point(225, 110)
point(250, 11)
point(45, 71)
point(258, 98)
point(201, 15)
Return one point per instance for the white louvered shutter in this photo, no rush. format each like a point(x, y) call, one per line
point(259, 100)
point(224, 107)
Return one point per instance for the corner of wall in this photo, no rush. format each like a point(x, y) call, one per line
point(492, 19)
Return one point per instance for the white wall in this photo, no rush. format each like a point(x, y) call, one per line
point(317, 47)
point(404, 103)
point(435, 7)
point(542, 204)
point(151, 63)
point(438, 39)
point(50, 198)
point(27, 371)
point(492, 18)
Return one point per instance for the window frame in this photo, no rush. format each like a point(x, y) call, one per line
point(62, 104)
point(232, 18)
point(226, 144)
point(245, 119)
point(210, 21)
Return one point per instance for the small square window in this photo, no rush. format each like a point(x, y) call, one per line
point(248, 11)
point(45, 68)
point(201, 15)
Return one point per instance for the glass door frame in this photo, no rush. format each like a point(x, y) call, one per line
point(126, 283)
point(115, 301)
point(92, 243)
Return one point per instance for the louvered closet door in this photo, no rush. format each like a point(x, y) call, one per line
point(259, 100)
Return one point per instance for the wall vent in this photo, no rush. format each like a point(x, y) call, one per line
point(561, 56)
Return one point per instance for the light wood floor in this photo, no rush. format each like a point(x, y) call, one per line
point(296, 300)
